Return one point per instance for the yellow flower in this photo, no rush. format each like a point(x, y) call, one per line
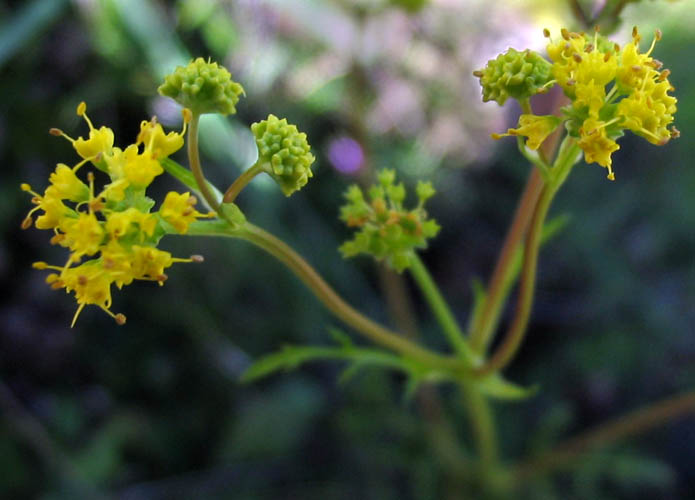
point(92, 285)
point(634, 66)
point(649, 110)
point(54, 209)
point(597, 146)
point(100, 140)
point(141, 169)
point(156, 142)
point(178, 211)
point(150, 263)
point(83, 235)
point(67, 185)
point(536, 128)
point(116, 260)
point(118, 224)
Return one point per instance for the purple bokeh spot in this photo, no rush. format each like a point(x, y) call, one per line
point(346, 155)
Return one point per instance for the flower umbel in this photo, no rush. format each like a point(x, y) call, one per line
point(385, 228)
point(114, 230)
point(611, 90)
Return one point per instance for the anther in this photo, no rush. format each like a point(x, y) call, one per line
point(39, 265)
point(607, 57)
point(477, 73)
point(197, 258)
point(571, 82)
point(636, 68)
point(56, 239)
point(90, 176)
point(27, 222)
point(81, 108)
point(675, 133)
point(120, 318)
point(192, 200)
point(664, 75)
point(82, 280)
point(635, 32)
point(187, 115)
point(577, 57)
point(597, 28)
point(25, 187)
point(565, 34)
point(546, 32)
point(55, 131)
point(657, 34)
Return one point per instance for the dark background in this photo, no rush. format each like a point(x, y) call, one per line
point(154, 409)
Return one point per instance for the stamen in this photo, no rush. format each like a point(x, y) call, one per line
point(82, 111)
point(59, 133)
point(657, 37)
point(77, 313)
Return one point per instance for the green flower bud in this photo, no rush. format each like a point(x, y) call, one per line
point(203, 87)
point(514, 74)
point(284, 153)
point(385, 229)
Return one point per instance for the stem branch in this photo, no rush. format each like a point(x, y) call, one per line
point(194, 161)
point(240, 183)
point(439, 307)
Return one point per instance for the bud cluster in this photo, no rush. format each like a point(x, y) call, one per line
point(385, 228)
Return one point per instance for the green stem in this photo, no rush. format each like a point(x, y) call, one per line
point(194, 161)
point(483, 328)
point(330, 299)
point(515, 334)
point(483, 427)
point(241, 182)
point(440, 308)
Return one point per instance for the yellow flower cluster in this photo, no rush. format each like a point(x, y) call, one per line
point(611, 89)
point(114, 228)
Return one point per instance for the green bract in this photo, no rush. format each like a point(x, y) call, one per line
point(514, 74)
point(283, 152)
point(386, 229)
point(202, 87)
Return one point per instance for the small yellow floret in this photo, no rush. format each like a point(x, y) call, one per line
point(157, 142)
point(597, 146)
point(178, 210)
point(536, 128)
point(67, 184)
point(83, 235)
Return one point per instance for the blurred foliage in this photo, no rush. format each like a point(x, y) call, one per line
point(155, 410)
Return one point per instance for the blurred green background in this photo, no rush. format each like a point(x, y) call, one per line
point(154, 409)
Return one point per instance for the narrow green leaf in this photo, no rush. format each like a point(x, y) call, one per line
point(291, 357)
point(497, 387)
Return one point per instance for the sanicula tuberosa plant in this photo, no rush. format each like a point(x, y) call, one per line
point(112, 231)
